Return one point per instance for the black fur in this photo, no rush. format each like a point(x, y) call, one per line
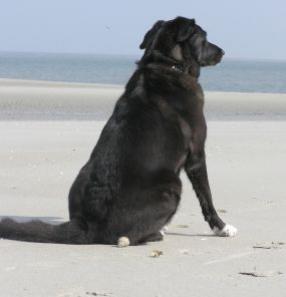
point(130, 186)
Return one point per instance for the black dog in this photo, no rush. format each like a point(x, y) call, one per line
point(130, 186)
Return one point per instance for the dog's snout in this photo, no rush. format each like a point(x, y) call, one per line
point(220, 50)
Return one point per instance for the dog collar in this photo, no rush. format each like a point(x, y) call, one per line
point(179, 68)
point(186, 69)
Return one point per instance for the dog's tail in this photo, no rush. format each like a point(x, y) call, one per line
point(37, 231)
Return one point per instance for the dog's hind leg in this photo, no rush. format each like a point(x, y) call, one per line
point(197, 172)
point(143, 217)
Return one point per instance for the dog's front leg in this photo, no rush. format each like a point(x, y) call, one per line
point(197, 172)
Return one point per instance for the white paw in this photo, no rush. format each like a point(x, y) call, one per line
point(164, 230)
point(227, 231)
point(123, 242)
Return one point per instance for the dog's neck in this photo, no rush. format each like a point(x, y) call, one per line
point(155, 58)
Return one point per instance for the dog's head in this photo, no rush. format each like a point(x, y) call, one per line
point(183, 40)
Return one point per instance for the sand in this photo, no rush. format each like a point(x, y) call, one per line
point(47, 131)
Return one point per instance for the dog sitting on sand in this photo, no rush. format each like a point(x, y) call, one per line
point(130, 187)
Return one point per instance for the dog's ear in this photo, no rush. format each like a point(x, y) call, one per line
point(150, 35)
point(185, 28)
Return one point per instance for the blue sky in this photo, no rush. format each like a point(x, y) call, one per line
point(245, 29)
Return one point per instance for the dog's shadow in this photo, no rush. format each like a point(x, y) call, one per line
point(22, 219)
point(189, 235)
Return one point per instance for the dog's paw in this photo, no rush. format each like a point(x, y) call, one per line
point(227, 231)
point(164, 230)
point(123, 242)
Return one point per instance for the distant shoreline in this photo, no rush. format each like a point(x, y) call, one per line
point(51, 83)
point(40, 100)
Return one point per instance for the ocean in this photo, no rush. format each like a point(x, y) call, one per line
point(228, 76)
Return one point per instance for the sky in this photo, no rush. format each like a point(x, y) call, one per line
point(245, 29)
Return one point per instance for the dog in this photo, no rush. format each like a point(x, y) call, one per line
point(130, 187)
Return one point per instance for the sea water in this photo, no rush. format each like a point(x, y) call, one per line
point(228, 76)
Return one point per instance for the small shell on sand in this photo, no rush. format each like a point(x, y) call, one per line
point(123, 242)
point(156, 254)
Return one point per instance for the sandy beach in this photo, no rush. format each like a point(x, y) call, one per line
point(47, 131)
